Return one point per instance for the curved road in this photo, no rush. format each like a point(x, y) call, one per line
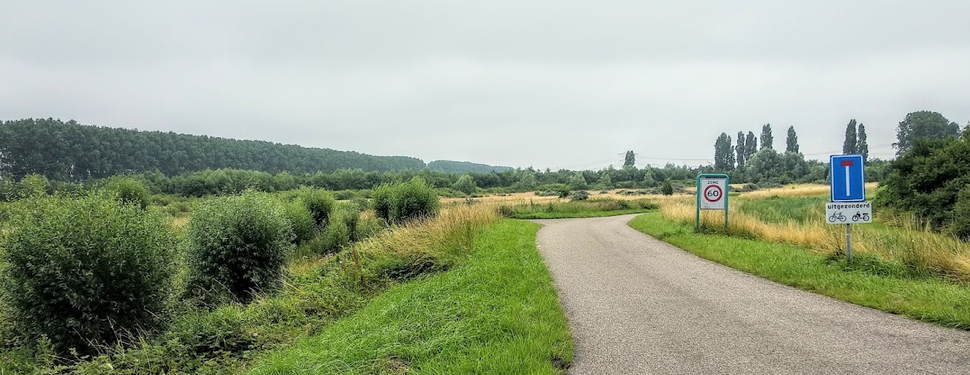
point(637, 305)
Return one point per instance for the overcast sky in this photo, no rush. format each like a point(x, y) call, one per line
point(560, 84)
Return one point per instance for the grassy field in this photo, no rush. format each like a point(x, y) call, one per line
point(869, 281)
point(794, 216)
point(597, 207)
point(496, 313)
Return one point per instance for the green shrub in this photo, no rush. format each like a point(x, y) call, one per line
point(402, 202)
point(319, 202)
point(960, 223)
point(337, 237)
point(84, 271)
point(667, 188)
point(414, 200)
point(301, 221)
point(239, 244)
point(129, 190)
point(383, 197)
point(579, 196)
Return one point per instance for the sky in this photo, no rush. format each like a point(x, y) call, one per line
point(547, 84)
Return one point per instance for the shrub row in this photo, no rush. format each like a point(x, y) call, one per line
point(88, 271)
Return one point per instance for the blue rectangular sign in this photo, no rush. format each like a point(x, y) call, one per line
point(848, 178)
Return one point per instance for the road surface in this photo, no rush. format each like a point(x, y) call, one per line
point(637, 305)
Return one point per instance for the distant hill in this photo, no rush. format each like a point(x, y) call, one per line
point(450, 166)
point(68, 151)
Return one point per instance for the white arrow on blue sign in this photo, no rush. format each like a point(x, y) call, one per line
point(848, 178)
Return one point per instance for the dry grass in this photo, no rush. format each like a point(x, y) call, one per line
point(449, 234)
point(906, 242)
point(799, 190)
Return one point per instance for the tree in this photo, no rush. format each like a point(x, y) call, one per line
point(465, 184)
point(751, 146)
point(923, 125)
point(764, 166)
point(723, 153)
point(862, 143)
point(578, 182)
point(766, 139)
point(667, 188)
point(630, 160)
point(740, 150)
point(850, 146)
point(792, 141)
point(605, 182)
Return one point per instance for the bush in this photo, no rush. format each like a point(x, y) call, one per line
point(301, 221)
point(667, 188)
point(238, 243)
point(414, 200)
point(383, 200)
point(129, 190)
point(960, 223)
point(319, 202)
point(407, 201)
point(579, 196)
point(83, 271)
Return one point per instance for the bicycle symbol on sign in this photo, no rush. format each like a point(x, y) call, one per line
point(861, 216)
point(838, 216)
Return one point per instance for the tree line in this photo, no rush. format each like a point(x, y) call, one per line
point(227, 181)
point(68, 151)
point(747, 161)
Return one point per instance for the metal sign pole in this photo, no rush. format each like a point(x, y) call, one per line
point(697, 218)
point(727, 190)
point(848, 241)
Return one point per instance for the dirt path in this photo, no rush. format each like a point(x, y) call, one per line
point(637, 305)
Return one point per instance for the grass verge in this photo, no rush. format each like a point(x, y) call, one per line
point(868, 281)
point(495, 313)
point(598, 207)
point(578, 214)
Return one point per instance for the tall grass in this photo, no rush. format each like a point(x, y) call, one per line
point(797, 219)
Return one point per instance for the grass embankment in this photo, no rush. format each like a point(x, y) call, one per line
point(495, 313)
point(868, 281)
point(598, 207)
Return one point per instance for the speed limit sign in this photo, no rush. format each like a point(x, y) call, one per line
point(712, 193)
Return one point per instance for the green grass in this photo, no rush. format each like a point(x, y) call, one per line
point(801, 210)
point(495, 313)
point(784, 209)
point(868, 281)
point(596, 207)
point(577, 214)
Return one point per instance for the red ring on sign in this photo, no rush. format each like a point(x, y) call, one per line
point(720, 193)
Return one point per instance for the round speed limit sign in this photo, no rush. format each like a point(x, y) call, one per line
point(713, 193)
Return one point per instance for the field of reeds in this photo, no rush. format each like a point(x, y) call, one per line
point(794, 215)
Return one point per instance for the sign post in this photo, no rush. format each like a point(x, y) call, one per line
point(848, 195)
point(712, 194)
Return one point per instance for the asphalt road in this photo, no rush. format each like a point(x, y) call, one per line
point(637, 305)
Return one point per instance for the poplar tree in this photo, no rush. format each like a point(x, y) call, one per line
point(850, 146)
point(767, 140)
point(792, 141)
